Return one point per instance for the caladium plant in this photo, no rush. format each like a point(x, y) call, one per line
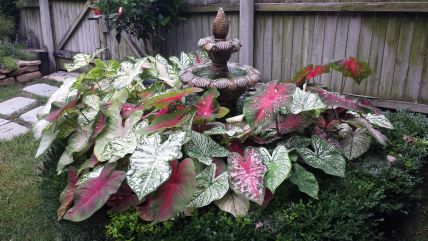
point(136, 138)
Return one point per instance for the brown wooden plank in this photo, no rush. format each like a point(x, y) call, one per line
point(318, 42)
point(296, 56)
point(277, 45)
point(337, 79)
point(287, 48)
point(267, 53)
point(423, 90)
point(329, 45)
point(308, 36)
point(352, 45)
point(74, 25)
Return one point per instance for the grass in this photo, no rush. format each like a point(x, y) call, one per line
point(9, 91)
point(21, 215)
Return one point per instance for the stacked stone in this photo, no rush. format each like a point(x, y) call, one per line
point(26, 72)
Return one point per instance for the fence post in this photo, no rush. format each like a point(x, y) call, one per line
point(45, 20)
point(246, 31)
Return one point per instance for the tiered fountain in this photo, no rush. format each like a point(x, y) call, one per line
point(231, 79)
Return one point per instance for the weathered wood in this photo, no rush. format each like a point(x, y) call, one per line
point(401, 105)
point(287, 50)
point(364, 43)
point(45, 20)
point(277, 45)
point(423, 90)
point(389, 55)
point(296, 56)
point(402, 59)
point(416, 62)
point(318, 42)
point(74, 25)
point(354, 28)
point(343, 7)
point(329, 45)
point(246, 31)
point(318, 7)
point(337, 80)
point(267, 52)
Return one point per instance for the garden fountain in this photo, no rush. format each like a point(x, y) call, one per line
point(231, 79)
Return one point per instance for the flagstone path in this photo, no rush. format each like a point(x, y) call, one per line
point(19, 113)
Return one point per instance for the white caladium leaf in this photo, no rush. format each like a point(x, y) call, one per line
point(94, 173)
point(148, 165)
point(295, 142)
point(118, 147)
point(353, 143)
point(361, 122)
point(231, 130)
point(77, 142)
point(209, 187)
point(48, 135)
point(246, 174)
point(61, 96)
point(325, 157)
point(184, 61)
point(234, 204)
point(305, 101)
point(89, 111)
point(379, 120)
point(278, 166)
point(204, 148)
point(305, 181)
point(114, 129)
point(161, 69)
point(129, 72)
point(81, 60)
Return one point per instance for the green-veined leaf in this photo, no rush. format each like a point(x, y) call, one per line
point(278, 166)
point(204, 148)
point(305, 181)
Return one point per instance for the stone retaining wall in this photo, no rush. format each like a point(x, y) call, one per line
point(27, 71)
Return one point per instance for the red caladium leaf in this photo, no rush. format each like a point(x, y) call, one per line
point(246, 174)
point(101, 123)
point(269, 98)
point(268, 198)
point(66, 197)
point(54, 115)
point(310, 72)
point(221, 167)
point(334, 100)
point(207, 107)
point(94, 193)
point(366, 104)
point(354, 68)
point(126, 110)
point(236, 146)
point(290, 123)
point(123, 199)
point(164, 100)
point(174, 194)
point(168, 121)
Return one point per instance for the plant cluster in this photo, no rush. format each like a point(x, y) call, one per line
point(9, 52)
point(369, 204)
point(145, 19)
point(137, 138)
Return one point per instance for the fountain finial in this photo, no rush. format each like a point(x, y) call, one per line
point(221, 25)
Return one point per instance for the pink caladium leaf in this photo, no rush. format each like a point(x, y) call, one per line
point(236, 146)
point(126, 110)
point(207, 107)
point(174, 194)
point(353, 68)
point(66, 197)
point(100, 124)
point(367, 105)
point(262, 108)
point(55, 115)
point(144, 211)
point(94, 193)
point(164, 100)
point(246, 174)
point(221, 167)
point(166, 121)
point(334, 100)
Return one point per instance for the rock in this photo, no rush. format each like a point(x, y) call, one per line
point(28, 77)
point(41, 89)
point(31, 116)
point(10, 130)
point(14, 105)
point(25, 70)
point(23, 63)
point(5, 71)
point(61, 76)
point(2, 76)
point(7, 81)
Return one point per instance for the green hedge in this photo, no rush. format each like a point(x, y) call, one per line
point(374, 191)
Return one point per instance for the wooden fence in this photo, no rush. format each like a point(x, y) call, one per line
point(288, 35)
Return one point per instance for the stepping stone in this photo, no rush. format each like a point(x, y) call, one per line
point(41, 89)
point(11, 129)
point(24, 63)
point(16, 104)
point(61, 76)
point(3, 122)
point(30, 116)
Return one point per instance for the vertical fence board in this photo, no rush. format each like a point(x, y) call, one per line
point(318, 42)
point(416, 62)
point(352, 45)
point(296, 56)
point(423, 90)
point(364, 49)
point(329, 45)
point(277, 47)
point(339, 51)
point(287, 50)
point(402, 59)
